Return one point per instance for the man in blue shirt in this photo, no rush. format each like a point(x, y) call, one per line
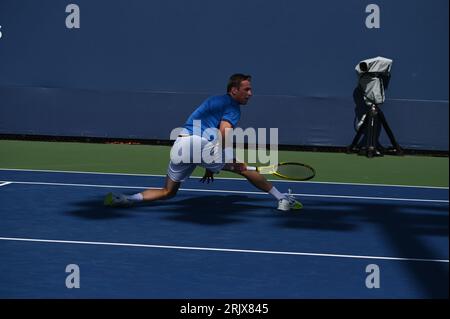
point(201, 143)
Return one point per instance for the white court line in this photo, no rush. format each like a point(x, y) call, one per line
point(225, 178)
point(4, 183)
point(237, 192)
point(221, 249)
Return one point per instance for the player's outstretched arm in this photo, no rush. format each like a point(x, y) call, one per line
point(235, 167)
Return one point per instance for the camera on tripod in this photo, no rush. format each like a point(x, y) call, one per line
point(373, 79)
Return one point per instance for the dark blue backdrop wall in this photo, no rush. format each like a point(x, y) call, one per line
point(137, 68)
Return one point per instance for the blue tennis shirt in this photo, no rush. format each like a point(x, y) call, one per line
point(211, 112)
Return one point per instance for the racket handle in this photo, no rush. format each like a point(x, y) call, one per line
point(251, 168)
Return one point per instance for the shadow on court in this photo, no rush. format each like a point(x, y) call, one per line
point(403, 230)
point(94, 209)
point(218, 210)
point(204, 210)
point(403, 225)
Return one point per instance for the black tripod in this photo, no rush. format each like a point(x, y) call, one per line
point(370, 127)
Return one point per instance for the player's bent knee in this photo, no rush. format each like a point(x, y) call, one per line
point(169, 193)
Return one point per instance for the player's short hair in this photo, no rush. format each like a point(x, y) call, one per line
point(236, 79)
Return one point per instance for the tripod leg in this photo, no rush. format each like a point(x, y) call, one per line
point(376, 134)
point(390, 133)
point(360, 132)
point(370, 134)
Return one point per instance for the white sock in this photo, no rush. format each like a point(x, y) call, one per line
point(136, 197)
point(276, 193)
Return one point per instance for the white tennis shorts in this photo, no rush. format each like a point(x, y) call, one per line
point(191, 151)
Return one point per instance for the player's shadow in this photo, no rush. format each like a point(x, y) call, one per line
point(211, 209)
point(206, 210)
point(94, 209)
point(226, 209)
point(408, 230)
point(215, 210)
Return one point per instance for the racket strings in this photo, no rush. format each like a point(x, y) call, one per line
point(298, 172)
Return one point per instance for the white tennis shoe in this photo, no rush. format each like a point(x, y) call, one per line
point(289, 203)
point(117, 200)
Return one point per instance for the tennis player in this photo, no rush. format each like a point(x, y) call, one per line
point(215, 114)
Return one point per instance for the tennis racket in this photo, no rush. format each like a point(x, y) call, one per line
point(288, 170)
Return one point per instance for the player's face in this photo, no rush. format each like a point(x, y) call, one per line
point(243, 94)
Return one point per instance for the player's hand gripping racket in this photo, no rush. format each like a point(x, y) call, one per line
point(287, 170)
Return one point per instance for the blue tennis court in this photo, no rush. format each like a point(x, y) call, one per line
point(223, 240)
